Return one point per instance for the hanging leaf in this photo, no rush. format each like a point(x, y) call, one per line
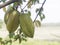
point(42, 16)
point(37, 10)
point(25, 10)
point(31, 2)
point(40, 11)
point(37, 23)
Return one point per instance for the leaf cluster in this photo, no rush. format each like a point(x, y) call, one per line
point(20, 36)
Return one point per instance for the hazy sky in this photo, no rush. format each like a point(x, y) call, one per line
point(51, 11)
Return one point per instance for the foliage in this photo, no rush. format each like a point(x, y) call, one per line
point(37, 42)
point(21, 21)
point(37, 23)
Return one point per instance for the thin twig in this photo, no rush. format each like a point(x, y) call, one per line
point(39, 10)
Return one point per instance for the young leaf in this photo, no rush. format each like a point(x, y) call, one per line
point(37, 23)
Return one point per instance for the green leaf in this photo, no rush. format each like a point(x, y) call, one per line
point(35, 1)
point(42, 16)
point(16, 37)
point(29, 5)
point(37, 10)
point(37, 23)
point(25, 10)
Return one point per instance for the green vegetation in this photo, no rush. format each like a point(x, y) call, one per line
point(37, 42)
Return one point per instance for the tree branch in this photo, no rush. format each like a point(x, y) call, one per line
point(7, 3)
point(39, 10)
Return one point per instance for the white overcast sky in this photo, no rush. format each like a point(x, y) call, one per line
point(51, 11)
